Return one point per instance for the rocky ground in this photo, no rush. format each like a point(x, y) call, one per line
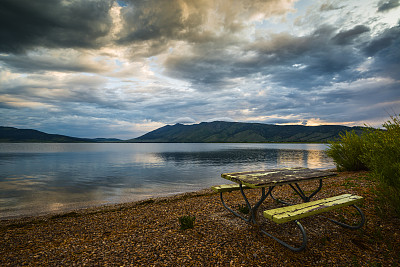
point(147, 233)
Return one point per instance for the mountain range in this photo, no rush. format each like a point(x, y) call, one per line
point(11, 135)
point(205, 132)
point(232, 132)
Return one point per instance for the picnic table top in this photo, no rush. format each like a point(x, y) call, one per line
point(274, 177)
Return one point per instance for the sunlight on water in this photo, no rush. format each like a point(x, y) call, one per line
point(44, 178)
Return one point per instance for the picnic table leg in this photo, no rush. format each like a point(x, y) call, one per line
point(317, 190)
point(280, 241)
point(280, 200)
point(253, 210)
point(353, 227)
point(245, 198)
point(231, 210)
point(300, 192)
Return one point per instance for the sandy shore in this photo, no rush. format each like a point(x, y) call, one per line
point(147, 233)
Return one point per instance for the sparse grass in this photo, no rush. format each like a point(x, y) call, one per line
point(349, 184)
point(243, 209)
point(187, 221)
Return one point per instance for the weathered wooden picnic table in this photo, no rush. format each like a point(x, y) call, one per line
point(292, 177)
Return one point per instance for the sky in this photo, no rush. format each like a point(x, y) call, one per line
point(119, 69)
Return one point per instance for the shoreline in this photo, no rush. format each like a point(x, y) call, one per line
point(88, 208)
point(147, 233)
point(108, 207)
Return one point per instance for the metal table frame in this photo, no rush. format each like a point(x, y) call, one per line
point(320, 175)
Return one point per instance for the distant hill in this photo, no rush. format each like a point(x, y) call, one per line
point(205, 132)
point(106, 140)
point(233, 132)
point(11, 135)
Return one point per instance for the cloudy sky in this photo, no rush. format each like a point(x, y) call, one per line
point(102, 68)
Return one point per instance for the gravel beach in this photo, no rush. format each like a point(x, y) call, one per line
point(147, 233)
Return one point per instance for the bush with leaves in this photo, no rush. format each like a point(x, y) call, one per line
point(347, 151)
point(381, 153)
point(375, 150)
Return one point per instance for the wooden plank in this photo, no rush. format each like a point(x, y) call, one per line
point(292, 208)
point(274, 177)
point(295, 212)
point(227, 187)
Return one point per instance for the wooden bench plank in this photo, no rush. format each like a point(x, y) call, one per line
point(294, 212)
point(272, 177)
point(227, 187)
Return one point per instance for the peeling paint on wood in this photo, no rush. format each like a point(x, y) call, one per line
point(227, 187)
point(294, 212)
point(265, 178)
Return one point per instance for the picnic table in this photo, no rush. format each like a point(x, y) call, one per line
point(269, 179)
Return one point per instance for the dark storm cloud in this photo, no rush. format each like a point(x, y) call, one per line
point(387, 5)
point(150, 27)
point(41, 62)
point(26, 24)
point(386, 53)
point(304, 61)
point(346, 37)
point(384, 41)
point(117, 64)
point(363, 97)
point(210, 73)
point(192, 20)
point(79, 93)
point(151, 20)
point(294, 61)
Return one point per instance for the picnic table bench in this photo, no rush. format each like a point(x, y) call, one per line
point(291, 176)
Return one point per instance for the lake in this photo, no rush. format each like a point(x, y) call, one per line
point(41, 178)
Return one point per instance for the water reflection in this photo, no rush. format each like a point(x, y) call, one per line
point(314, 159)
point(265, 157)
point(36, 178)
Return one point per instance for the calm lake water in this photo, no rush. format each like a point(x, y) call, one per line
point(45, 178)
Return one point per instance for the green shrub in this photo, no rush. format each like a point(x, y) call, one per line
point(375, 150)
point(381, 154)
point(346, 152)
point(187, 222)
